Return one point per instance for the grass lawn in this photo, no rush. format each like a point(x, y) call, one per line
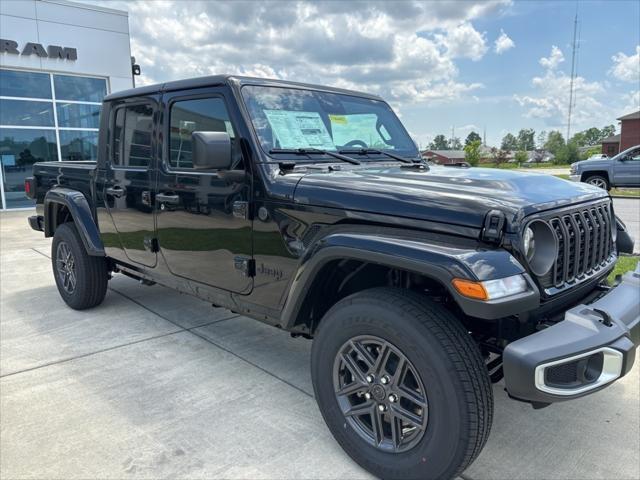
point(515, 165)
point(624, 264)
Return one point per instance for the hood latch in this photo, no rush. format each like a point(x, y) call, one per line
point(493, 226)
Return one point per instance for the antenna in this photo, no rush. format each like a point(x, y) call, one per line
point(573, 73)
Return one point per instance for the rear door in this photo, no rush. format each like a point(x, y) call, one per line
point(202, 232)
point(129, 179)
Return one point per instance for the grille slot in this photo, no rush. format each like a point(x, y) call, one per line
point(584, 244)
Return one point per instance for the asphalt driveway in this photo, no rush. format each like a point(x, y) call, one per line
point(156, 384)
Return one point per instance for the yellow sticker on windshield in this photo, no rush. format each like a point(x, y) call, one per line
point(339, 119)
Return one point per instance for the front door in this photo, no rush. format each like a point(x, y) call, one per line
point(129, 181)
point(627, 169)
point(202, 232)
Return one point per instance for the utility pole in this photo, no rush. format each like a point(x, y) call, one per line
point(484, 136)
point(573, 73)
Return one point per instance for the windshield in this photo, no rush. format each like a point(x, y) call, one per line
point(288, 118)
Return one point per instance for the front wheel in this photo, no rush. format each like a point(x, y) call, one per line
point(401, 385)
point(598, 181)
point(81, 279)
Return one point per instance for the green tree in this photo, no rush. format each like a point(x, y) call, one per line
point(455, 144)
point(472, 137)
point(472, 152)
point(439, 143)
point(568, 154)
point(555, 142)
point(526, 140)
point(607, 131)
point(509, 142)
point(521, 156)
point(542, 139)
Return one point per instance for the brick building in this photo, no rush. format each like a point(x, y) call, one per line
point(629, 135)
point(444, 156)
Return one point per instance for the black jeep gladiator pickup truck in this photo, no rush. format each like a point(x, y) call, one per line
point(309, 208)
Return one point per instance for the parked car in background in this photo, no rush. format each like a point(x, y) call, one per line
point(622, 170)
point(598, 156)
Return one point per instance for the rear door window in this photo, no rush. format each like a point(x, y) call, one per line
point(132, 134)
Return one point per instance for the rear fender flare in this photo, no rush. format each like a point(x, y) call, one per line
point(81, 213)
point(441, 263)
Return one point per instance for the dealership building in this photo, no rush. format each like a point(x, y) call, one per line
point(57, 61)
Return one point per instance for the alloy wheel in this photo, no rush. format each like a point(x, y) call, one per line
point(598, 182)
point(66, 266)
point(380, 393)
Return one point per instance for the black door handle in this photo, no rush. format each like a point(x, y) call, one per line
point(166, 198)
point(116, 191)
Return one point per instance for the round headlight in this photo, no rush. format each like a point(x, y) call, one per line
point(540, 247)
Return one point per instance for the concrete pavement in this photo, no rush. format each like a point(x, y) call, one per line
point(157, 384)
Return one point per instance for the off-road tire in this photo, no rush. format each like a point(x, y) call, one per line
point(598, 181)
point(457, 384)
point(91, 272)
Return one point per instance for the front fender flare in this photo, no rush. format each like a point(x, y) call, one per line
point(441, 263)
point(81, 213)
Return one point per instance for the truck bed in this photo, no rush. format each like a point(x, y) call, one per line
point(75, 175)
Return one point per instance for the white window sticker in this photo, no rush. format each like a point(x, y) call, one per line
point(299, 129)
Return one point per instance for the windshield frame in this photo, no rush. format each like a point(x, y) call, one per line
point(275, 157)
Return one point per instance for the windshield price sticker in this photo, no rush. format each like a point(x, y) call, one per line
point(299, 129)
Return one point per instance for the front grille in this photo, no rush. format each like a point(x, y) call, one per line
point(584, 244)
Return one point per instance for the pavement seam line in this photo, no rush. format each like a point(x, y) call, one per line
point(84, 355)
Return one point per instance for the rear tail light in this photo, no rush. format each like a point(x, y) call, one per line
point(30, 187)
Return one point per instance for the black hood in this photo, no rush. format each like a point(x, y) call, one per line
point(460, 196)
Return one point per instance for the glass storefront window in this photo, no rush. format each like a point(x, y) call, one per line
point(78, 145)
point(30, 128)
point(26, 113)
point(24, 84)
point(78, 115)
point(82, 89)
point(19, 150)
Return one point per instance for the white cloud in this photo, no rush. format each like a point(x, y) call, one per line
point(503, 43)
point(626, 67)
point(400, 50)
point(552, 61)
point(463, 41)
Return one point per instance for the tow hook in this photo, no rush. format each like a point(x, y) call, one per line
point(606, 318)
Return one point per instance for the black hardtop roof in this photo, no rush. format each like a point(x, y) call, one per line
point(214, 80)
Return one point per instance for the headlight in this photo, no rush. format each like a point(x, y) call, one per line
point(540, 247)
point(573, 169)
point(491, 289)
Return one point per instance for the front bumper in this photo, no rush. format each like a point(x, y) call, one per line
point(575, 178)
point(591, 348)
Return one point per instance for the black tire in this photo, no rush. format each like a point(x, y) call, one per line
point(450, 366)
point(598, 181)
point(91, 273)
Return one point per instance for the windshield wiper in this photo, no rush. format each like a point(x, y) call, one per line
point(317, 151)
point(373, 151)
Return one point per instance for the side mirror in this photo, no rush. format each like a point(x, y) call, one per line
point(211, 150)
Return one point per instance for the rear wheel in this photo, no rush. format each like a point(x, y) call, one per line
point(81, 279)
point(598, 181)
point(401, 385)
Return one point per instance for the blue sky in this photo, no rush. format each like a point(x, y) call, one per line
point(436, 62)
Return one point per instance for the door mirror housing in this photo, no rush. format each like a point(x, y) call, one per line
point(211, 150)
